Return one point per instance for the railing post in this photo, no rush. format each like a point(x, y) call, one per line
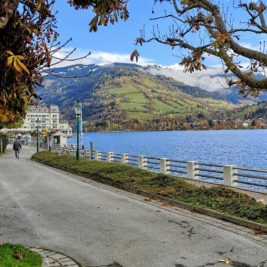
point(92, 154)
point(97, 155)
point(124, 158)
point(191, 170)
point(163, 166)
point(110, 156)
point(84, 153)
point(229, 175)
point(141, 162)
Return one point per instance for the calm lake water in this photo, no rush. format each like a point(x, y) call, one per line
point(236, 147)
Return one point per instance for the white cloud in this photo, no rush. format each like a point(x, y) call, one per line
point(211, 79)
point(97, 57)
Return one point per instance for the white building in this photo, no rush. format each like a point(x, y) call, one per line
point(65, 128)
point(46, 117)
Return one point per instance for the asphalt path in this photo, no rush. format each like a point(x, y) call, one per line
point(40, 206)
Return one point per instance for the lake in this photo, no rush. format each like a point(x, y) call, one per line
point(235, 147)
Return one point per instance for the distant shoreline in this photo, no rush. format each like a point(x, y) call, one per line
point(178, 130)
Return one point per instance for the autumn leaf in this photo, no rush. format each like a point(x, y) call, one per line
point(139, 41)
point(147, 199)
point(259, 232)
point(39, 5)
point(16, 66)
point(93, 24)
point(226, 261)
point(10, 53)
point(19, 255)
point(15, 61)
point(9, 60)
point(24, 68)
point(135, 55)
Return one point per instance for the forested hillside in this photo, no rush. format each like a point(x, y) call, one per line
point(120, 97)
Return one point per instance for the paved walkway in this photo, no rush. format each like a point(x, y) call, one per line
point(102, 226)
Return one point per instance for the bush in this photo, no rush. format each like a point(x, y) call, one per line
point(216, 198)
point(4, 139)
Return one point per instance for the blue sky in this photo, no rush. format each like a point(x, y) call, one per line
point(116, 39)
point(117, 42)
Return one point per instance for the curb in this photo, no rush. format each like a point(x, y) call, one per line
point(216, 214)
point(55, 259)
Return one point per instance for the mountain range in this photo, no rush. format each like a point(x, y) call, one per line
point(127, 96)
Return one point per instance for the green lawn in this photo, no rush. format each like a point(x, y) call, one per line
point(140, 95)
point(133, 114)
point(18, 256)
point(217, 198)
point(133, 107)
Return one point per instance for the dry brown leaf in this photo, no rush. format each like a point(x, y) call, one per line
point(259, 232)
point(135, 55)
point(19, 255)
point(226, 261)
point(166, 204)
point(261, 200)
point(147, 199)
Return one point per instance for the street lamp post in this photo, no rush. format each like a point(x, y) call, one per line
point(37, 137)
point(78, 113)
point(49, 140)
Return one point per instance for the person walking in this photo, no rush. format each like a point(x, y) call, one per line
point(17, 147)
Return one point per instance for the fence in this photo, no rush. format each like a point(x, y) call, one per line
point(228, 175)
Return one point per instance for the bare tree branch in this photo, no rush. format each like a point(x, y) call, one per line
point(218, 35)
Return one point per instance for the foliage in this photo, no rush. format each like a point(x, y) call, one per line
point(28, 41)
point(206, 27)
point(19, 256)
point(216, 198)
point(4, 139)
point(23, 51)
point(106, 11)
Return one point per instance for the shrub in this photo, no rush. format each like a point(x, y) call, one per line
point(4, 139)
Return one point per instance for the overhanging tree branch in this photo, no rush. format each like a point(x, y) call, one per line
point(219, 36)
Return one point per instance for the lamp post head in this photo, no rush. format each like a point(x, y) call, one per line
point(78, 108)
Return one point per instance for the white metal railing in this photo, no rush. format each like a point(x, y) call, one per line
point(229, 175)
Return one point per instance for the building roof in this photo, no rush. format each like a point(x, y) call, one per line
point(44, 109)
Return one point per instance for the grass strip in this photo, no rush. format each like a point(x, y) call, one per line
point(217, 198)
point(18, 256)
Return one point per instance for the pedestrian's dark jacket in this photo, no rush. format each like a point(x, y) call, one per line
point(17, 145)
